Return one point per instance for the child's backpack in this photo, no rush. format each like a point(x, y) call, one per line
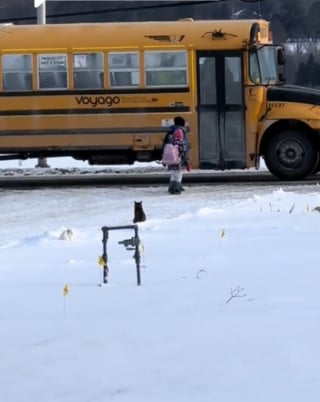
point(167, 138)
point(173, 133)
point(170, 155)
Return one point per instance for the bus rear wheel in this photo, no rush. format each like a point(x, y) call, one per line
point(291, 155)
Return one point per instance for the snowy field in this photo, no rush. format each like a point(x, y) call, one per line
point(228, 309)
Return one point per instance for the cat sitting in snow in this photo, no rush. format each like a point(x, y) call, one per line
point(139, 214)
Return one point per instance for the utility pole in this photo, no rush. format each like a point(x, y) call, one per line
point(40, 5)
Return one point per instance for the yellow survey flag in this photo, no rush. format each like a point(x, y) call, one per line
point(66, 290)
point(101, 261)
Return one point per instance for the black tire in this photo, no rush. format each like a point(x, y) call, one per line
point(316, 169)
point(291, 155)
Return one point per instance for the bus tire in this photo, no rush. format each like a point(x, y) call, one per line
point(316, 168)
point(291, 154)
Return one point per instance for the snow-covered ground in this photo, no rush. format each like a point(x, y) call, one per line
point(58, 166)
point(228, 309)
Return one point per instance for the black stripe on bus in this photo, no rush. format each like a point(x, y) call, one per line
point(85, 131)
point(79, 92)
point(135, 110)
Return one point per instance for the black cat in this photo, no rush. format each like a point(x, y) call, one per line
point(139, 215)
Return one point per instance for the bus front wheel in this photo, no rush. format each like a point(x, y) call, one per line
point(291, 155)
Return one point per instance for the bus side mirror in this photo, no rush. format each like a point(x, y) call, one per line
point(281, 78)
point(281, 58)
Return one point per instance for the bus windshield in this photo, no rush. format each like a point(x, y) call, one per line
point(263, 65)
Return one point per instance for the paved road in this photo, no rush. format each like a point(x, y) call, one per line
point(116, 179)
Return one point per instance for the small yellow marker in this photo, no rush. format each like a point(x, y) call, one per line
point(101, 261)
point(65, 293)
point(66, 290)
point(222, 234)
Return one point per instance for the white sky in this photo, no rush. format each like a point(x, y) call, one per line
point(175, 338)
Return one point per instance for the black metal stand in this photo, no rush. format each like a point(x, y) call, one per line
point(130, 244)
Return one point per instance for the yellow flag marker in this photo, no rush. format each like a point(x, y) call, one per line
point(142, 248)
point(65, 293)
point(308, 208)
point(222, 234)
point(65, 290)
point(101, 261)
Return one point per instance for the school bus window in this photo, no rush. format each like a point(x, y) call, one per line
point(233, 80)
point(166, 69)
point(267, 61)
point(88, 70)
point(17, 72)
point(207, 84)
point(264, 59)
point(124, 69)
point(255, 75)
point(52, 71)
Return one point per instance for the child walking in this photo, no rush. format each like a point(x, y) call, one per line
point(176, 138)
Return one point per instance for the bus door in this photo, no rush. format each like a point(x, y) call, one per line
point(221, 111)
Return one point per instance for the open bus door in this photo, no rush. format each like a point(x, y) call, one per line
point(221, 110)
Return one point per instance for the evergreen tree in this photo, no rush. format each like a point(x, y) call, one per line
point(300, 78)
point(313, 26)
point(292, 16)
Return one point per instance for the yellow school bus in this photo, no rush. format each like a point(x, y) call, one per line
point(107, 93)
